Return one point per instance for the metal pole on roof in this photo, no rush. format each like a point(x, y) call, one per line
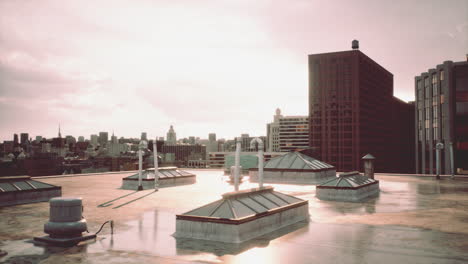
point(140, 165)
point(260, 159)
point(260, 163)
point(156, 167)
point(439, 147)
point(452, 165)
point(237, 164)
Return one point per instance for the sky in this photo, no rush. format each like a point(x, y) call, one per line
point(219, 66)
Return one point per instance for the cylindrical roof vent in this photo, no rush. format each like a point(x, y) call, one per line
point(355, 44)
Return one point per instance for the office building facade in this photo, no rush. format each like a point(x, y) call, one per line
point(293, 133)
point(272, 142)
point(103, 138)
point(442, 117)
point(352, 112)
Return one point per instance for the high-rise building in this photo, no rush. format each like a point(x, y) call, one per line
point(171, 136)
point(272, 142)
point(8, 146)
point(352, 112)
point(94, 140)
point(212, 137)
point(15, 139)
point(103, 138)
point(442, 117)
point(38, 138)
point(69, 139)
point(144, 136)
point(212, 144)
point(293, 133)
point(245, 142)
point(221, 143)
point(114, 139)
point(24, 138)
point(114, 148)
point(81, 139)
point(181, 154)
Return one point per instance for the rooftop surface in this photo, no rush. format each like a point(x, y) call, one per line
point(414, 220)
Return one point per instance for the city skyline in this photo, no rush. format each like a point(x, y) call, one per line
point(112, 133)
point(199, 66)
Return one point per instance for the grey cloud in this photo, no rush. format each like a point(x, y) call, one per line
point(35, 82)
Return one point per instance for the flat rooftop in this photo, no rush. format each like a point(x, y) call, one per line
point(414, 220)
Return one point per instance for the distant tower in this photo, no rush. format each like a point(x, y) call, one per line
point(94, 140)
point(278, 115)
point(24, 138)
point(212, 145)
point(59, 134)
point(212, 137)
point(15, 139)
point(171, 136)
point(355, 44)
point(103, 138)
point(114, 139)
point(272, 139)
point(144, 136)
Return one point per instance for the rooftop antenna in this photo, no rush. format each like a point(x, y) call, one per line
point(59, 134)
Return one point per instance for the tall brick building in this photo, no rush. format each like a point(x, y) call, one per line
point(352, 112)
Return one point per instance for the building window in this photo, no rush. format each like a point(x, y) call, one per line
point(434, 85)
point(441, 75)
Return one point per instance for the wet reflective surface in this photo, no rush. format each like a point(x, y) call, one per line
point(413, 220)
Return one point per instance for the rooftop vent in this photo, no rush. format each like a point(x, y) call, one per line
point(66, 223)
point(355, 44)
